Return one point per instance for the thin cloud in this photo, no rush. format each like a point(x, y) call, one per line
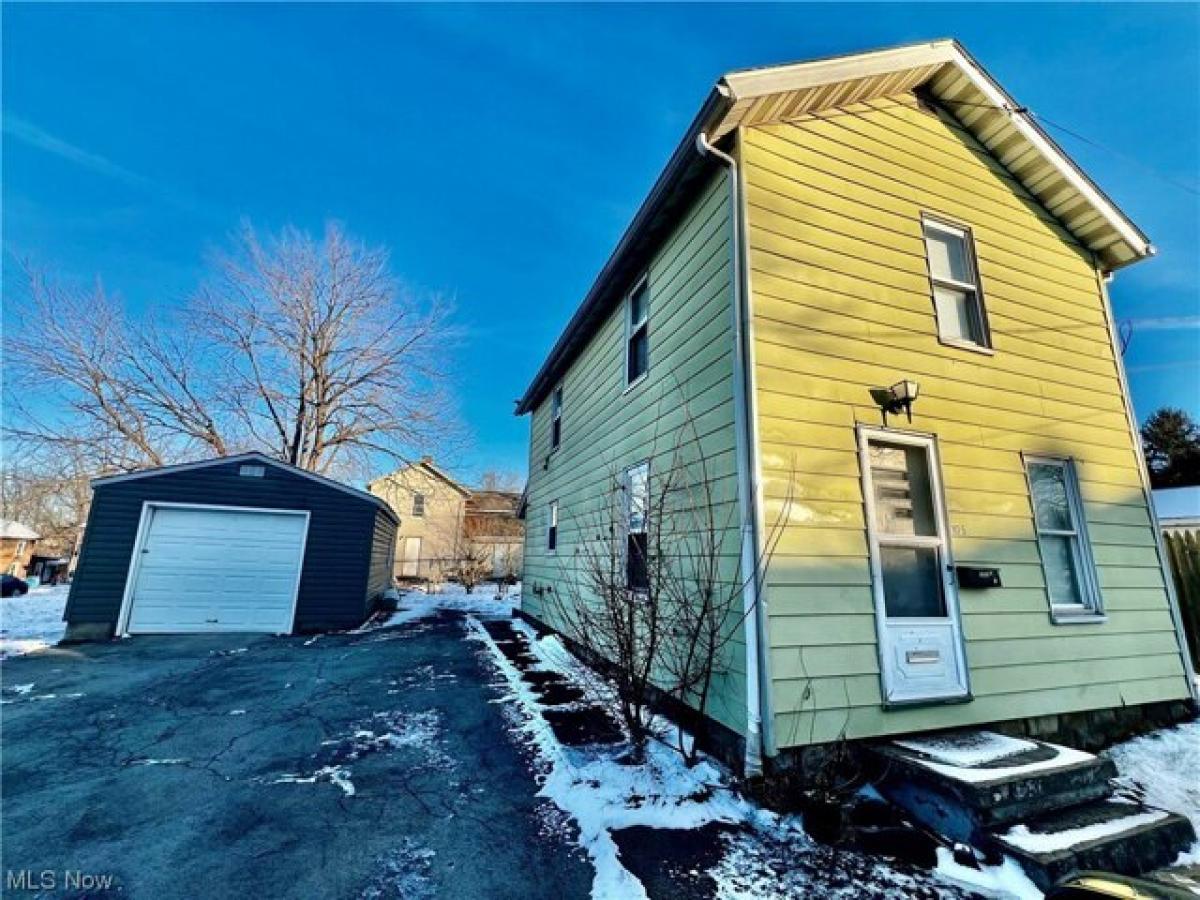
point(28, 133)
point(1164, 323)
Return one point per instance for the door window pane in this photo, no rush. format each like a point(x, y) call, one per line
point(1062, 579)
point(947, 254)
point(903, 494)
point(1050, 499)
point(912, 582)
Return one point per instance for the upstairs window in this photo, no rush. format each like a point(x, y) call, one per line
point(556, 418)
point(637, 331)
point(957, 297)
point(637, 546)
point(1066, 558)
point(552, 531)
point(418, 505)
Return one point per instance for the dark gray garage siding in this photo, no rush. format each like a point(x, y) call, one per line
point(337, 589)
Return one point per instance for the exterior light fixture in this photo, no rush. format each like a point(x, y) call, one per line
point(900, 396)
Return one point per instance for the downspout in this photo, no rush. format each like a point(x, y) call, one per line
point(1147, 491)
point(747, 496)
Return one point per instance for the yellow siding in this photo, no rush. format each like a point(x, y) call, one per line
point(607, 428)
point(841, 303)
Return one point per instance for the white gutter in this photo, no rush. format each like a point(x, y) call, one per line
point(743, 425)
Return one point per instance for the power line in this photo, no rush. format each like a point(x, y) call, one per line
point(1174, 182)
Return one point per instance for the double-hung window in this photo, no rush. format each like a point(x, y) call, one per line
point(637, 545)
point(418, 507)
point(957, 297)
point(552, 530)
point(1062, 538)
point(637, 332)
point(556, 400)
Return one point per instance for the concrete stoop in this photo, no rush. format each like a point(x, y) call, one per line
point(1047, 806)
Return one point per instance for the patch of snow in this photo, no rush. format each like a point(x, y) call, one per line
point(485, 600)
point(32, 622)
point(1005, 880)
point(1050, 841)
point(967, 749)
point(338, 775)
point(404, 874)
point(160, 762)
point(237, 712)
point(1064, 757)
point(21, 688)
point(1159, 769)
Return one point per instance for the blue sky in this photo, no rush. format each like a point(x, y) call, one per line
point(500, 151)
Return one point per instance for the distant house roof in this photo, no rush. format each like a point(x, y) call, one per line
point(425, 464)
point(944, 71)
point(14, 530)
point(1178, 508)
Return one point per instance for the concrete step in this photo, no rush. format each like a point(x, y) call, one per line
point(965, 783)
point(1106, 835)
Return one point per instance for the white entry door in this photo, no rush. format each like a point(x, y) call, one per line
point(916, 603)
point(217, 569)
point(410, 564)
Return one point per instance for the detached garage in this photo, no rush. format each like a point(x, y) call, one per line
point(240, 543)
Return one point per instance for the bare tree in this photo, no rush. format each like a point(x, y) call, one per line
point(304, 349)
point(325, 362)
point(498, 480)
point(654, 589)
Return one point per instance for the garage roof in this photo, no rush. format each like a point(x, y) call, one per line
point(254, 457)
point(945, 70)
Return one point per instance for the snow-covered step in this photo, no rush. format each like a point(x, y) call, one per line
point(1108, 835)
point(962, 783)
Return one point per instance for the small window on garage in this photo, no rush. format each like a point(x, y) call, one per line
point(251, 471)
point(418, 507)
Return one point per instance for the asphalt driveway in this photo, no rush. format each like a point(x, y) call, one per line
point(353, 765)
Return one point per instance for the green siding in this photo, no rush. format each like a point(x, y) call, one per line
point(606, 428)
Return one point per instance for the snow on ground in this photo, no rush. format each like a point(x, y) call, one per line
point(421, 602)
point(1160, 769)
point(765, 855)
point(32, 622)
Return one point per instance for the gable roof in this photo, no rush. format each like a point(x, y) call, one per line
point(14, 530)
point(425, 463)
point(252, 456)
point(760, 96)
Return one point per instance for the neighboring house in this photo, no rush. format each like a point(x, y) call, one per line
point(823, 232)
point(1178, 509)
point(494, 528)
point(445, 521)
point(17, 542)
point(237, 543)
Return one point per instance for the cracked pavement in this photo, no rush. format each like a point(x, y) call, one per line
point(373, 764)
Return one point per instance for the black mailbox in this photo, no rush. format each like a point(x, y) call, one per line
point(977, 577)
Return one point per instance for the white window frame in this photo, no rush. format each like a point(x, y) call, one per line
point(1092, 607)
point(556, 402)
point(418, 500)
point(645, 529)
point(631, 330)
point(973, 288)
point(552, 528)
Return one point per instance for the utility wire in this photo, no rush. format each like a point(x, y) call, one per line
point(1079, 137)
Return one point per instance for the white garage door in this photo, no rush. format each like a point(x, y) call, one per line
point(217, 570)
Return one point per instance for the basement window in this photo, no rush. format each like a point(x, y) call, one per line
point(954, 278)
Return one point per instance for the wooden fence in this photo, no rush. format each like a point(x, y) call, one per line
point(1183, 550)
